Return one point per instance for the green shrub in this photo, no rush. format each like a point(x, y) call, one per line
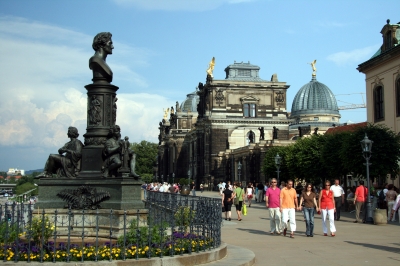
point(41, 228)
point(156, 234)
point(184, 216)
point(8, 232)
point(184, 181)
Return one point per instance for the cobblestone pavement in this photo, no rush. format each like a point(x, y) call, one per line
point(354, 243)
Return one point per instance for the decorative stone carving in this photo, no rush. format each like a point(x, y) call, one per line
point(114, 114)
point(219, 97)
point(84, 197)
point(98, 141)
point(280, 97)
point(94, 112)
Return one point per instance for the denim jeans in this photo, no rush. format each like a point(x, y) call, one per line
point(309, 215)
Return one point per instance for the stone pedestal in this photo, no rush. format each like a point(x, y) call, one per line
point(125, 193)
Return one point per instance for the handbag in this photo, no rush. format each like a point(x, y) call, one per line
point(244, 210)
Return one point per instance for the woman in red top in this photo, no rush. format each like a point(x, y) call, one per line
point(327, 206)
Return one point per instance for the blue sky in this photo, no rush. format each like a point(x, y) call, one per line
point(162, 49)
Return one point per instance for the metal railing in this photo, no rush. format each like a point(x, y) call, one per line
point(171, 225)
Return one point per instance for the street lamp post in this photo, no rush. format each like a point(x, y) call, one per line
point(366, 145)
point(239, 170)
point(162, 178)
point(189, 175)
point(173, 178)
point(278, 160)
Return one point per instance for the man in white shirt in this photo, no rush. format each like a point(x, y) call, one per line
point(338, 194)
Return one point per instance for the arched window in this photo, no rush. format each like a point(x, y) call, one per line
point(378, 104)
point(250, 137)
point(398, 96)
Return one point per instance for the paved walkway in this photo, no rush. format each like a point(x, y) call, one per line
point(354, 244)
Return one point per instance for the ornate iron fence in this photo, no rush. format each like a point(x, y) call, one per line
point(170, 225)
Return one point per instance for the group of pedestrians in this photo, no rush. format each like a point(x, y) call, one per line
point(233, 195)
point(283, 203)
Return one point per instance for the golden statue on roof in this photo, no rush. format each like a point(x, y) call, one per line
point(166, 111)
point(313, 67)
point(211, 67)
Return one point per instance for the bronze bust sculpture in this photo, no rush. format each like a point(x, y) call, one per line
point(103, 45)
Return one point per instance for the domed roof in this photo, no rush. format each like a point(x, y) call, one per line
point(190, 103)
point(314, 98)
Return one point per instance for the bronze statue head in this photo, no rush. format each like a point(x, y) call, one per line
point(103, 40)
point(114, 131)
point(73, 132)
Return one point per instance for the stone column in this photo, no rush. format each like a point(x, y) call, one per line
point(101, 114)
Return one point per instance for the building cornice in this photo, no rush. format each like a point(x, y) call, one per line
point(387, 55)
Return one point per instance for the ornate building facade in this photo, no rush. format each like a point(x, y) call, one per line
point(382, 80)
point(231, 122)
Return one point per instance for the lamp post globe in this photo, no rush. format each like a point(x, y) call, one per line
point(366, 145)
point(278, 160)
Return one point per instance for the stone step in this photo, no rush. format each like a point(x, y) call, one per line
point(236, 256)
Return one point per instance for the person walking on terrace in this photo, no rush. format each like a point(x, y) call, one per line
point(288, 206)
point(239, 193)
point(250, 192)
point(327, 206)
point(338, 194)
point(227, 201)
point(272, 201)
point(391, 196)
point(308, 196)
point(360, 196)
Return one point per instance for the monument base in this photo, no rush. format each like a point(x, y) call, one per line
point(125, 193)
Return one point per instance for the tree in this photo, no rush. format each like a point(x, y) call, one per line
point(306, 161)
point(385, 151)
point(269, 167)
point(24, 188)
point(146, 153)
point(333, 155)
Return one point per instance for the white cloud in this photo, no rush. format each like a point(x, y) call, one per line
point(44, 72)
point(332, 24)
point(174, 5)
point(353, 57)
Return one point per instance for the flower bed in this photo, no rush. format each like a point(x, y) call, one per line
point(178, 243)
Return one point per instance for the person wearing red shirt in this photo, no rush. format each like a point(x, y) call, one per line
point(359, 200)
point(327, 206)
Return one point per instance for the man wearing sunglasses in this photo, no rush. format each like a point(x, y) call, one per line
point(288, 206)
point(272, 201)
